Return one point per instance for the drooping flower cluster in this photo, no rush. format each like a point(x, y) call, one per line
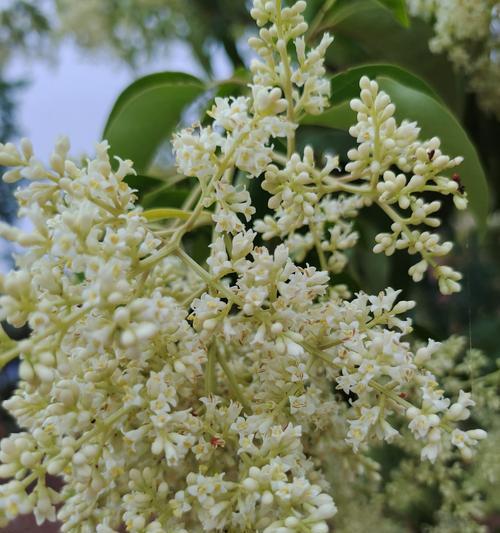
point(171, 396)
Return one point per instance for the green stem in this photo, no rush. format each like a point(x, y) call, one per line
point(394, 216)
point(29, 479)
point(376, 150)
point(113, 211)
point(169, 212)
point(335, 183)
point(233, 383)
point(106, 423)
point(313, 28)
point(204, 275)
point(7, 356)
point(319, 250)
point(491, 376)
point(176, 238)
point(189, 201)
point(152, 260)
point(198, 292)
point(287, 80)
point(210, 371)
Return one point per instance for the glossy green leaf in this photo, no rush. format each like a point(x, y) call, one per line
point(434, 120)
point(374, 31)
point(325, 141)
point(371, 269)
point(398, 9)
point(343, 9)
point(345, 85)
point(339, 116)
point(146, 113)
point(165, 196)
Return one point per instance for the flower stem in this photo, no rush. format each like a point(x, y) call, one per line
point(210, 371)
point(233, 383)
point(168, 212)
point(287, 80)
point(319, 250)
point(203, 274)
point(313, 28)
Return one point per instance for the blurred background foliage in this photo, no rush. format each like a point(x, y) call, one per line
point(366, 32)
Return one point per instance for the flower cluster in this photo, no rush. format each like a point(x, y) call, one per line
point(467, 31)
point(467, 495)
point(171, 396)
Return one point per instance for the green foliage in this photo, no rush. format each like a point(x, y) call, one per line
point(398, 9)
point(24, 26)
point(345, 85)
point(367, 33)
point(343, 9)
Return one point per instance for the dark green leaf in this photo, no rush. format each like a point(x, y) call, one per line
point(165, 197)
point(343, 9)
point(339, 116)
point(143, 184)
point(398, 9)
point(147, 112)
point(374, 30)
point(345, 85)
point(325, 141)
point(371, 269)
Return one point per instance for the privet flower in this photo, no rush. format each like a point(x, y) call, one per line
point(467, 31)
point(171, 396)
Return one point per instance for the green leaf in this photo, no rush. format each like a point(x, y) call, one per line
point(165, 196)
point(343, 9)
point(146, 113)
point(371, 269)
point(434, 119)
point(345, 85)
point(374, 30)
point(325, 141)
point(398, 9)
point(339, 116)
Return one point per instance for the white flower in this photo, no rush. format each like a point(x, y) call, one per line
point(195, 152)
